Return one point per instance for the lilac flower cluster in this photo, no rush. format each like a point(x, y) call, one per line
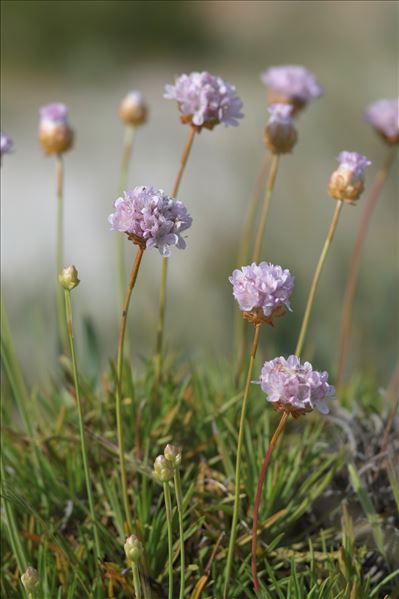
point(292, 84)
point(347, 182)
point(262, 287)
point(280, 133)
point(383, 115)
point(6, 144)
point(294, 387)
point(205, 100)
point(152, 218)
point(54, 113)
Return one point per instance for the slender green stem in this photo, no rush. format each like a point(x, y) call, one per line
point(11, 525)
point(179, 501)
point(355, 262)
point(119, 372)
point(120, 239)
point(233, 533)
point(168, 508)
point(265, 209)
point(69, 326)
point(316, 277)
point(59, 174)
point(275, 438)
point(164, 275)
point(136, 581)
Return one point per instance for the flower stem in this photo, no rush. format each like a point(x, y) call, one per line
point(59, 176)
point(119, 372)
point(233, 533)
point(354, 266)
point(69, 326)
point(243, 257)
point(136, 581)
point(120, 240)
point(265, 209)
point(262, 475)
point(316, 278)
point(179, 501)
point(168, 508)
point(164, 275)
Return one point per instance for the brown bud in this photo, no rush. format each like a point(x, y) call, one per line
point(55, 138)
point(280, 138)
point(133, 109)
point(68, 277)
point(346, 184)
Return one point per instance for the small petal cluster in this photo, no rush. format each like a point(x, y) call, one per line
point(280, 134)
point(133, 109)
point(294, 387)
point(291, 84)
point(347, 182)
point(151, 219)
point(55, 133)
point(6, 144)
point(383, 115)
point(262, 290)
point(205, 100)
point(30, 579)
point(133, 549)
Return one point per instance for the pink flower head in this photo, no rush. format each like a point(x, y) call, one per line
point(205, 100)
point(262, 290)
point(291, 84)
point(347, 182)
point(151, 218)
point(383, 115)
point(54, 113)
point(294, 387)
point(6, 144)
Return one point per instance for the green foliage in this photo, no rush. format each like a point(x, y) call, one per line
point(323, 531)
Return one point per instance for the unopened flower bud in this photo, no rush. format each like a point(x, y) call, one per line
point(68, 277)
point(133, 109)
point(30, 579)
point(173, 454)
point(280, 134)
point(347, 182)
point(55, 133)
point(133, 548)
point(163, 469)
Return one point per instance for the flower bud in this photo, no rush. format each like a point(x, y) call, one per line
point(163, 469)
point(55, 133)
point(133, 548)
point(68, 277)
point(30, 579)
point(280, 134)
point(173, 454)
point(133, 109)
point(347, 182)
point(383, 115)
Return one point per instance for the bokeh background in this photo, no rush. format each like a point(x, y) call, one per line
point(88, 55)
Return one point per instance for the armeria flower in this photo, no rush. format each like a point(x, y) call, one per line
point(262, 291)
point(151, 218)
point(205, 100)
point(347, 182)
point(291, 84)
point(6, 144)
point(280, 133)
point(55, 133)
point(294, 387)
point(383, 115)
point(133, 109)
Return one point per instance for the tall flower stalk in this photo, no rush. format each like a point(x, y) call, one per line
point(149, 218)
point(204, 101)
point(292, 388)
point(163, 472)
point(56, 137)
point(133, 113)
point(173, 455)
point(383, 115)
point(346, 185)
point(68, 279)
point(262, 292)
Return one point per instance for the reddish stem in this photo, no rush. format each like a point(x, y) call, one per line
point(262, 475)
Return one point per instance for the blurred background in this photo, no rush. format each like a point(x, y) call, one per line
point(88, 55)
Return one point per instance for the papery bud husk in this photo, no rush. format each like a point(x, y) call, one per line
point(280, 138)
point(297, 104)
point(30, 579)
point(133, 548)
point(173, 454)
point(55, 138)
point(133, 112)
point(346, 185)
point(68, 277)
point(163, 469)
